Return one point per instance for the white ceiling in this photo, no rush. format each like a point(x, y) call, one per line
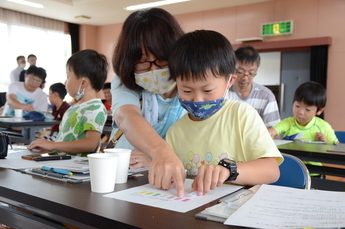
point(104, 12)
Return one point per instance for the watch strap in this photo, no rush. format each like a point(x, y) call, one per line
point(230, 164)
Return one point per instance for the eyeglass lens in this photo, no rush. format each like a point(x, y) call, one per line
point(243, 74)
point(145, 65)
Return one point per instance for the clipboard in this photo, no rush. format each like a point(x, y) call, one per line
point(227, 205)
point(78, 177)
point(75, 178)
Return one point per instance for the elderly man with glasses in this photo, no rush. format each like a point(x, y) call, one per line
point(246, 90)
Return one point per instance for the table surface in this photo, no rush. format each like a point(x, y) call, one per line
point(28, 128)
point(318, 152)
point(11, 122)
point(76, 205)
point(333, 162)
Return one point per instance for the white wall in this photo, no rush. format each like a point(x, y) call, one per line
point(269, 70)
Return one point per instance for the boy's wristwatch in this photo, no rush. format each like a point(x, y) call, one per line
point(230, 164)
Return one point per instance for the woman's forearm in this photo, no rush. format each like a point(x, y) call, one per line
point(138, 131)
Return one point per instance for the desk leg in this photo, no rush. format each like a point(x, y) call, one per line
point(25, 132)
point(29, 133)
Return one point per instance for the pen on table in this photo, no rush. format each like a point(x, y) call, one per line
point(48, 173)
point(321, 142)
point(327, 143)
point(52, 158)
point(61, 171)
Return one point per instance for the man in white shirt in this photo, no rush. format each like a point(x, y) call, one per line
point(32, 61)
point(14, 75)
point(246, 90)
point(27, 95)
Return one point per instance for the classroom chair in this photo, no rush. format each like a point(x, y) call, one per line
point(293, 173)
point(341, 136)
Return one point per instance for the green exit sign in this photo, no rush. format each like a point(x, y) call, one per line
point(277, 28)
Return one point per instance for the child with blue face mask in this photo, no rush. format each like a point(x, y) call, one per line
point(218, 140)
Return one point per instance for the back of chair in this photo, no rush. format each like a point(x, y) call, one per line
point(341, 136)
point(293, 173)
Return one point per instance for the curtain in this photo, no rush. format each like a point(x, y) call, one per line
point(318, 65)
point(28, 20)
point(74, 32)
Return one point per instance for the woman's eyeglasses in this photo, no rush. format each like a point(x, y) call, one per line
point(146, 65)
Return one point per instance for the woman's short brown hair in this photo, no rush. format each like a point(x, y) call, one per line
point(154, 30)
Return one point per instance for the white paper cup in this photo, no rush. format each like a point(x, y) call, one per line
point(18, 113)
point(102, 172)
point(122, 163)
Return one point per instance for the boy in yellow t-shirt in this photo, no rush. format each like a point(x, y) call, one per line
point(218, 140)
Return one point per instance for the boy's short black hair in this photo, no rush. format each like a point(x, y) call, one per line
point(107, 86)
point(312, 94)
point(60, 89)
point(196, 53)
point(90, 64)
point(36, 71)
point(247, 55)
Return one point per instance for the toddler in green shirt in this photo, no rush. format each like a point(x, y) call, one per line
point(309, 101)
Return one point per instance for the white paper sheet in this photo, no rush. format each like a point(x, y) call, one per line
point(167, 199)
point(282, 207)
point(76, 164)
point(281, 141)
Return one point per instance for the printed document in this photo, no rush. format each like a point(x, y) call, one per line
point(282, 207)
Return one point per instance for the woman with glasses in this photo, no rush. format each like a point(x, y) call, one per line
point(246, 90)
point(145, 103)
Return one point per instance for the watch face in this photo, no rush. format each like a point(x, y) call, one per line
point(229, 160)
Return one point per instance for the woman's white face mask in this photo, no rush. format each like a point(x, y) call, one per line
point(156, 81)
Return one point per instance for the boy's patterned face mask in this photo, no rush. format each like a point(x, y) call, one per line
point(156, 81)
point(205, 109)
